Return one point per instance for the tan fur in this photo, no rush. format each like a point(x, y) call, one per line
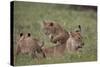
point(75, 41)
point(28, 45)
point(55, 32)
point(55, 51)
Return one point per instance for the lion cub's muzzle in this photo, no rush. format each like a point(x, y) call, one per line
point(81, 45)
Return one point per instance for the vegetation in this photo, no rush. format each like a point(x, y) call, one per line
point(28, 17)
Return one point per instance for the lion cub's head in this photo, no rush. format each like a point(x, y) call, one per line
point(50, 27)
point(75, 40)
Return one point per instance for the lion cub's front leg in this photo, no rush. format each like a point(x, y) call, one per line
point(57, 38)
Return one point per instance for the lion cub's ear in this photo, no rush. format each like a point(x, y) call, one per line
point(79, 29)
point(28, 34)
point(21, 34)
point(51, 24)
point(79, 26)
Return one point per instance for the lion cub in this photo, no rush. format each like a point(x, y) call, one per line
point(75, 40)
point(28, 45)
point(55, 32)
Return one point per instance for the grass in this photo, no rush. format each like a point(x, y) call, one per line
point(29, 16)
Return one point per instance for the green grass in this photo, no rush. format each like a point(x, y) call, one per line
point(29, 16)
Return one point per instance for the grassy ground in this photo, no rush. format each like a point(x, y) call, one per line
point(29, 16)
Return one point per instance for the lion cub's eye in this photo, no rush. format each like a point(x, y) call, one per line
point(29, 34)
point(79, 38)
